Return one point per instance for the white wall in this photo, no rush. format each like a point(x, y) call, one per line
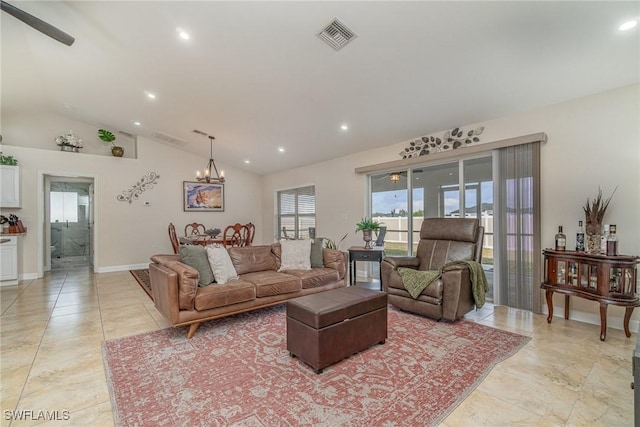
point(40, 129)
point(593, 142)
point(126, 234)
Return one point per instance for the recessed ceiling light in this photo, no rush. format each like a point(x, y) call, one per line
point(281, 150)
point(150, 95)
point(628, 25)
point(136, 123)
point(183, 34)
point(344, 127)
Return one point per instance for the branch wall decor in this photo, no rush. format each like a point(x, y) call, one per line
point(144, 184)
point(451, 140)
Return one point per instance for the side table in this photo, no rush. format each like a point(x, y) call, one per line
point(359, 253)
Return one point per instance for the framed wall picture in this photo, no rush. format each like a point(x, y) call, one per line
point(203, 197)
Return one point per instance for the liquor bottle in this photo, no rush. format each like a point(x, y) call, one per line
point(603, 240)
point(561, 240)
point(580, 238)
point(612, 241)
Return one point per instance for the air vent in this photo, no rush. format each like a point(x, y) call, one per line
point(168, 139)
point(337, 35)
point(199, 132)
point(130, 135)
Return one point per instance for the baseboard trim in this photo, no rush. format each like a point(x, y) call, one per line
point(613, 321)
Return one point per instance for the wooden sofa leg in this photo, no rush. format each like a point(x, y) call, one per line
point(192, 329)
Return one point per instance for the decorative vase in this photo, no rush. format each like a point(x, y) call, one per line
point(592, 240)
point(367, 236)
point(117, 151)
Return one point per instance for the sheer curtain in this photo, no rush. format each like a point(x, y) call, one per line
point(517, 227)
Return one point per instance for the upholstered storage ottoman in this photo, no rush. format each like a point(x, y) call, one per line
point(329, 326)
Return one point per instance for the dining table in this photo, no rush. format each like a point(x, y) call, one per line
point(200, 239)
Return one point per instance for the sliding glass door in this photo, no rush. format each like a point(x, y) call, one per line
point(389, 206)
point(458, 189)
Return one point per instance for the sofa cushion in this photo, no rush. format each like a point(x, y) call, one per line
point(315, 277)
point(196, 256)
point(232, 292)
point(271, 282)
point(316, 253)
point(296, 255)
point(249, 259)
point(221, 264)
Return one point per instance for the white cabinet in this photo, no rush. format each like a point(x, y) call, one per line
point(9, 186)
point(8, 260)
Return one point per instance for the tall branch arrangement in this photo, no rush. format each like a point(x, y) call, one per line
point(595, 209)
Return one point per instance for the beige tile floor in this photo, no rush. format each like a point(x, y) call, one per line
point(52, 329)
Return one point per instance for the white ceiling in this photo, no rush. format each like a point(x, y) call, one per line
point(255, 75)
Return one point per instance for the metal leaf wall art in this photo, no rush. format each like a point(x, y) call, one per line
point(141, 186)
point(451, 140)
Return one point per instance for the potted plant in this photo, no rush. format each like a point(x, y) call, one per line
point(331, 244)
point(367, 226)
point(594, 211)
point(8, 160)
point(69, 142)
point(109, 137)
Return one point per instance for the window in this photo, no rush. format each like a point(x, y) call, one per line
point(296, 213)
point(64, 207)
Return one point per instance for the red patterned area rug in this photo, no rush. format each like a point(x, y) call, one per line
point(237, 371)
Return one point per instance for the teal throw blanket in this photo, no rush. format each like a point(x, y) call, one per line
point(416, 281)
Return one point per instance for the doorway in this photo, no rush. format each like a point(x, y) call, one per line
point(68, 222)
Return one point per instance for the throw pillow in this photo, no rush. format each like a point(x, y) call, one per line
point(221, 265)
point(317, 260)
point(196, 256)
point(296, 255)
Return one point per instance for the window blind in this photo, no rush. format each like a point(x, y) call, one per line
point(296, 212)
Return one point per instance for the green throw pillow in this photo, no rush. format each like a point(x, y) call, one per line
point(317, 261)
point(196, 256)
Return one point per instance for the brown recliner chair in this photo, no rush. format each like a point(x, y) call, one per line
point(441, 240)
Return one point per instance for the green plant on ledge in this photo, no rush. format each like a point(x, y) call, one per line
point(7, 160)
point(106, 136)
point(368, 224)
point(109, 137)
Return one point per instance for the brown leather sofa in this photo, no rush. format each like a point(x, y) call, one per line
point(176, 294)
point(441, 240)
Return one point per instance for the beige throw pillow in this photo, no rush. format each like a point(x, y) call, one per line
point(296, 255)
point(221, 265)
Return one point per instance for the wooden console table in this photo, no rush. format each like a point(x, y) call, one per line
point(605, 279)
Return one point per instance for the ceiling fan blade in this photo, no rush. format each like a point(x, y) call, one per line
point(37, 23)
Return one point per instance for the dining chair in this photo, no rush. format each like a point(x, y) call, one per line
point(235, 235)
point(174, 238)
point(252, 232)
point(194, 229)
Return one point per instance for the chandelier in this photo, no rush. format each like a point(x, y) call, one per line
point(208, 175)
point(394, 177)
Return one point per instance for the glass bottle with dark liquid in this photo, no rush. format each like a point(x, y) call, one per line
point(612, 241)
